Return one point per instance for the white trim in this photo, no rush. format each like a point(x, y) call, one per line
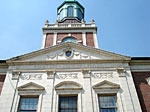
point(54, 38)
point(84, 38)
point(95, 39)
point(43, 41)
point(68, 31)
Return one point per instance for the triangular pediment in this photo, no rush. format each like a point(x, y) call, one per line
point(106, 85)
point(30, 87)
point(78, 52)
point(68, 85)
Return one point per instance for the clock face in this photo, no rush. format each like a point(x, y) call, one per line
point(69, 39)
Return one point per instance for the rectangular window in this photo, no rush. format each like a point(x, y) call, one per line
point(28, 104)
point(107, 103)
point(68, 104)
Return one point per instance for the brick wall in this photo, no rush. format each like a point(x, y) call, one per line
point(61, 36)
point(2, 78)
point(49, 40)
point(143, 89)
point(89, 39)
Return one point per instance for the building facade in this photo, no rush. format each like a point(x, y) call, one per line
point(71, 74)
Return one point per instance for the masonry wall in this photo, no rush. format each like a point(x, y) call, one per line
point(61, 36)
point(89, 39)
point(143, 89)
point(2, 79)
point(49, 40)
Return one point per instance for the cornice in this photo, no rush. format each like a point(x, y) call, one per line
point(68, 28)
point(12, 63)
point(3, 65)
point(73, 45)
point(139, 62)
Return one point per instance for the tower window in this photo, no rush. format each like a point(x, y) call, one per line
point(61, 14)
point(70, 11)
point(69, 39)
point(80, 16)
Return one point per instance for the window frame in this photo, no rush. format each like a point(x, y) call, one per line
point(80, 13)
point(71, 95)
point(29, 96)
point(68, 14)
point(73, 38)
point(106, 95)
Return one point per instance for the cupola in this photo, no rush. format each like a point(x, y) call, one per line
point(70, 11)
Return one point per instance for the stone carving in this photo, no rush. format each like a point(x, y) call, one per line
point(77, 53)
point(103, 75)
point(121, 72)
point(68, 76)
point(84, 56)
point(86, 73)
point(51, 57)
point(50, 74)
point(31, 76)
point(61, 54)
point(15, 75)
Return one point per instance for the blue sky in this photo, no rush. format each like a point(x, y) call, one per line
point(123, 25)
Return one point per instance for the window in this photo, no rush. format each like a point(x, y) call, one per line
point(61, 14)
point(80, 16)
point(69, 39)
point(28, 104)
point(68, 104)
point(70, 11)
point(107, 103)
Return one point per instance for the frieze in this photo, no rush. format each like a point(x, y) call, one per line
point(56, 66)
point(31, 76)
point(104, 75)
point(68, 76)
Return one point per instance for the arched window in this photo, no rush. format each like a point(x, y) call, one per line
point(80, 15)
point(69, 39)
point(61, 14)
point(70, 12)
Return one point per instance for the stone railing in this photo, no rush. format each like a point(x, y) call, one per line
point(65, 25)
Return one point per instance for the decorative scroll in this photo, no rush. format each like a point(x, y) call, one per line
point(68, 76)
point(84, 56)
point(104, 75)
point(31, 76)
point(76, 53)
point(51, 57)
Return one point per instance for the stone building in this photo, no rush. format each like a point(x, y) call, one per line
point(71, 74)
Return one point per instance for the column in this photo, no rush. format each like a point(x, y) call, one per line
point(95, 39)
point(43, 41)
point(87, 96)
point(84, 38)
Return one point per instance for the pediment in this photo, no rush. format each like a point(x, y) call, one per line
point(106, 85)
point(78, 52)
point(68, 85)
point(30, 87)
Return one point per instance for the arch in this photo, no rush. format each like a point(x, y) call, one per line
point(70, 11)
point(69, 39)
point(106, 85)
point(68, 85)
point(30, 87)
